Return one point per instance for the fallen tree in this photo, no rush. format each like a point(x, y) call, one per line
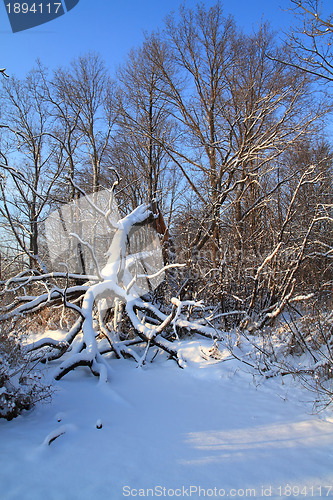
point(102, 304)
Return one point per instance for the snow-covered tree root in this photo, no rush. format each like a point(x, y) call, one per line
point(148, 332)
point(113, 316)
point(151, 329)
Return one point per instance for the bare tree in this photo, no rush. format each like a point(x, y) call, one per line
point(84, 96)
point(237, 112)
point(311, 39)
point(63, 129)
point(236, 108)
point(144, 116)
point(31, 162)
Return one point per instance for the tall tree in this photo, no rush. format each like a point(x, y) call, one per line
point(31, 162)
point(87, 111)
point(144, 121)
point(236, 110)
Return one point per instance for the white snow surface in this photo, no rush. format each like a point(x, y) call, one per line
point(209, 430)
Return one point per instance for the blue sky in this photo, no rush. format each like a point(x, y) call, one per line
point(112, 28)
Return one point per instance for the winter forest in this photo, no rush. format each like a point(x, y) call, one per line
point(186, 197)
point(211, 138)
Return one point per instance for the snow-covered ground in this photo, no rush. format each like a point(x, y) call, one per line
point(209, 430)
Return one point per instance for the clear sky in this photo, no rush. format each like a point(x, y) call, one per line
point(112, 28)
